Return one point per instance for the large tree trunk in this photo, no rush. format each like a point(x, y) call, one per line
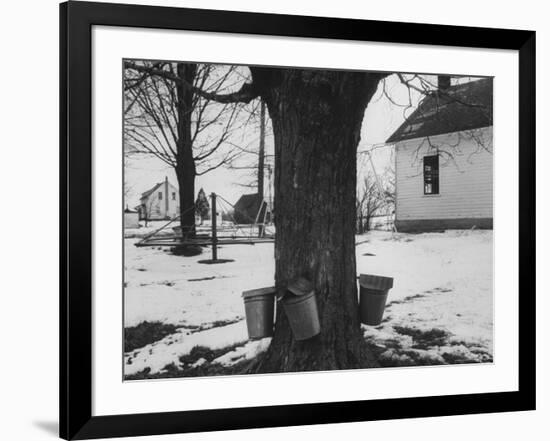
point(186, 183)
point(317, 118)
point(185, 164)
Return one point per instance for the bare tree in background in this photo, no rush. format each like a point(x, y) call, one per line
point(127, 187)
point(254, 154)
point(189, 132)
point(369, 201)
point(375, 195)
point(147, 210)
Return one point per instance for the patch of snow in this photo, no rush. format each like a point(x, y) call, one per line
point(246, 352)
point(199, 362)
point(151, 227)
point(442, 281)
point(163, 287)
point(157, 355)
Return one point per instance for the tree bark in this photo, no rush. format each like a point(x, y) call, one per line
point(185, 163)
point(317, 117)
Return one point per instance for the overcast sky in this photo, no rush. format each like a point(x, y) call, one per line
point(382, 118)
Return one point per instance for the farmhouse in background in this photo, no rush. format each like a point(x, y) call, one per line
point(444, 159)
point(159, 202)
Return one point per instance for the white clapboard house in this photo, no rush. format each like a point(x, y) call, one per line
point(444, 159)
point(159, 202)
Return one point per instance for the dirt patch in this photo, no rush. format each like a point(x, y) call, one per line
point(207, 354)
point(211, 325)
point(198, 363)
point(186, 250)
point(406, 299)
point(145, 333)
point(201, 279)
point(423, 339)
point(425, 347)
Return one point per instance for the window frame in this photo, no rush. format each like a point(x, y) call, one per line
point(431, 177)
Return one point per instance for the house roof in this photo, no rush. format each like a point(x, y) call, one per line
point(151, 190)
point(465, 106)
point(246, 208)
point(248, 200)
point(148, 192)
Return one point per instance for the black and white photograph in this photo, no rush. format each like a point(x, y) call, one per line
point(288, 219)
point(285, 220)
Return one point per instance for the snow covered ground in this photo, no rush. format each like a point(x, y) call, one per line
point(439, 311)
point(442, 294)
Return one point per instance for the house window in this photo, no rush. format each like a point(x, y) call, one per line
point(431, 174)
point(173, 195)
point(160, 195)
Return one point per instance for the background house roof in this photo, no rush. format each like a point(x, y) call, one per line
point(246, 208)
point(461, 107)
point(148, 192)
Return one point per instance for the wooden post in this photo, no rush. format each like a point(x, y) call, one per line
point(214, 229)
point(261, 219)
point(214, 240)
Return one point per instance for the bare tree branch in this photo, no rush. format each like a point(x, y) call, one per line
point(246, 94)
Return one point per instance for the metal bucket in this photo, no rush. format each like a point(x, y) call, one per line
point(373, 293)
point(301, 310)
point(259, 306)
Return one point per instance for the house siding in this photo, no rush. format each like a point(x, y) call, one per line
point(158, 209)
point(465, 194)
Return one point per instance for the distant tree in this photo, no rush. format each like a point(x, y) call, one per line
point(148, 209)
point(202, 206)
point(128, 188)
point(369, 200)
point(376, 196)
point(255, 151)
point(189, 132)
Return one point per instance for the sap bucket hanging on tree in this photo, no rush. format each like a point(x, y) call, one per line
point(259, 306)
point(301, 309)
point(373, 293)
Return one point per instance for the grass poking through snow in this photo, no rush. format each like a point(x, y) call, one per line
point(198, 363)
point(145, 333)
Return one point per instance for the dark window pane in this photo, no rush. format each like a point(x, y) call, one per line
point(431, 174)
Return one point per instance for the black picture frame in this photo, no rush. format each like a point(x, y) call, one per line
point(76, 21)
